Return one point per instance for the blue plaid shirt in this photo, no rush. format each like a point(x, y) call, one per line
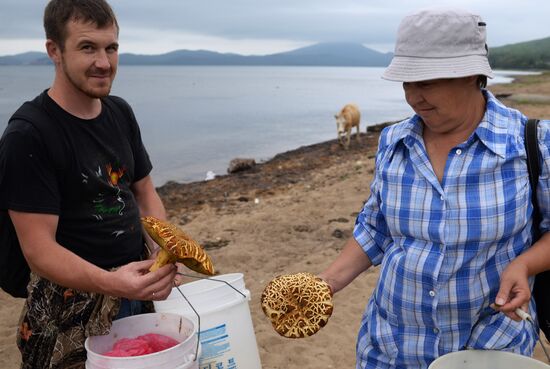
point(443, 246)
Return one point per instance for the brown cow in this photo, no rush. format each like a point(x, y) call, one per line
point(348, 118)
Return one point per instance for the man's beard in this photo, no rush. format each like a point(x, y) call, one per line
point(94, 93)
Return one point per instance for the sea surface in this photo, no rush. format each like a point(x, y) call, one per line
point(195, 119)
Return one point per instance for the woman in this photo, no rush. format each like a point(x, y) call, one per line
point(449, 215)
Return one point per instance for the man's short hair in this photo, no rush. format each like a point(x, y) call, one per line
point(59, 12)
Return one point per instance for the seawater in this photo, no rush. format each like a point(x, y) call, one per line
point(195, 119)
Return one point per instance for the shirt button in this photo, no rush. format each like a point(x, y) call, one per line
point(436, 331)
point(458, 151)
point(442, 197)
point(431, 293)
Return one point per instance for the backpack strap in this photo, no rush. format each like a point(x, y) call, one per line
point(542, 280)
point(119, 108)
point(533, 166)
point(14, 271)
point(112, 102)
point(122, 112)
point(35, 113)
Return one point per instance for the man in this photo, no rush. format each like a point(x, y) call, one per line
point(80, 229)
point(449, 216)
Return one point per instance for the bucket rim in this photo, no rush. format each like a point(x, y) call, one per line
point(209, 285)
point(473, 353)
point(190, 338)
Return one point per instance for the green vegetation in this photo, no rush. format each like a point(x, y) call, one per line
point(525, 55)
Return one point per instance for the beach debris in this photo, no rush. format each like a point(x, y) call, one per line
point(302, 228)
point(380, 126)
point(503, 95)
point(218, 243)
point(298, 305)
point(176, 246)
point(240, 164)
point(530, 98)
point(210, 175)
point(339, 220)
point(185, 218)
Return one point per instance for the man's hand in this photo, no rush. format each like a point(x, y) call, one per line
point(134, 281)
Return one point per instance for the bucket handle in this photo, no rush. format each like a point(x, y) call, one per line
point(195, 311)
point(212, 279)
point(199, 321)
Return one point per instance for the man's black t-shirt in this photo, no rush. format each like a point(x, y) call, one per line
point(104, 156)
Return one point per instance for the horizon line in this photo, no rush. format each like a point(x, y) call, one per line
point(222, 52)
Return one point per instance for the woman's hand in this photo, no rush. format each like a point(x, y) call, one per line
point(514, 291)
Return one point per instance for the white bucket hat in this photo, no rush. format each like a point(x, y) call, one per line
point(434, 44)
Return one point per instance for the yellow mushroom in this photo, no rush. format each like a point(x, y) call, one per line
point(298, 305)
point(176, 246)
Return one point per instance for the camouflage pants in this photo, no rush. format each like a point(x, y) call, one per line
point(55, 322)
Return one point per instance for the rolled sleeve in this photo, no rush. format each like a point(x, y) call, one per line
point(371, 231)
point(366, 241)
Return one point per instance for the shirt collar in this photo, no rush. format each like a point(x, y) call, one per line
point(491, 131)
point(411, 132)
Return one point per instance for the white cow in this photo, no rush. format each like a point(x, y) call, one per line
point(348, 118)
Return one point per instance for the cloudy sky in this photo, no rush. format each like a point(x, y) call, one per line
point(268, 26)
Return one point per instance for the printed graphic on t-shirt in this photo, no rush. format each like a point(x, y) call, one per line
point(109, 203)
point(114, 175)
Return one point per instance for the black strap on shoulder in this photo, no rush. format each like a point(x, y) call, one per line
point(117, 105)
point(35, 113)
point(533, 166)
point(542, 280)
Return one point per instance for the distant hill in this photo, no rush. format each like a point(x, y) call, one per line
point(524, 55)
point(333, 54)
point(28, 58)
point(323, 54)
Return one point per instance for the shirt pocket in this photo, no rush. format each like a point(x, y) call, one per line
point(494, 207)
point(383, 331)
point(498, 332)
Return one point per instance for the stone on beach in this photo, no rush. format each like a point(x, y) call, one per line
point(240, 164)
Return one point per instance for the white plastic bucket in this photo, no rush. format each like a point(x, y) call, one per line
point(226, 332)
point(181, 356)
point(486, 359)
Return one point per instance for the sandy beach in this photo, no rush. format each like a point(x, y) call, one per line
point(290, 214)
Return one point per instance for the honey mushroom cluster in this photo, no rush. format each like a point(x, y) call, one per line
point(298, 305)
point(176, 246)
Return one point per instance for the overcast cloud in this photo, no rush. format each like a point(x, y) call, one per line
point(264, 27)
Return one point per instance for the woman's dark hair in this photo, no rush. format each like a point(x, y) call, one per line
point(59, 12)
point(482, 81)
